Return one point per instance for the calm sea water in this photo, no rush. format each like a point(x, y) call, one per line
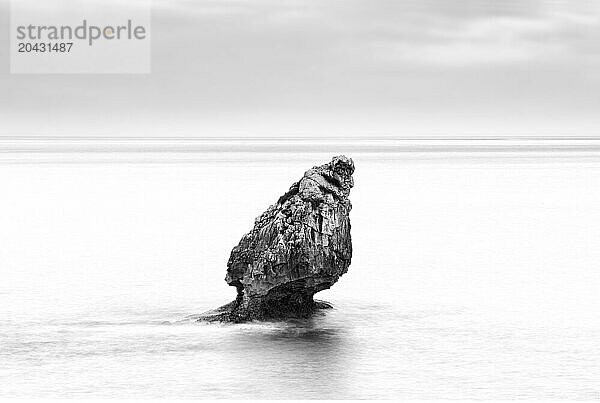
point(468, 281)
point(354, 351)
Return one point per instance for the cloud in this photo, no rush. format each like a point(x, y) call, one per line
point(496, 41)
point(355, 63)
point(466, 35)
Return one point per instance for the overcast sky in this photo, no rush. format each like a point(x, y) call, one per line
point(333, 67)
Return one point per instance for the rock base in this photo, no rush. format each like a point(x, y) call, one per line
point(290, 308)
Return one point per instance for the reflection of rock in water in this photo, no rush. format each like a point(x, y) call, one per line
point(301, 245)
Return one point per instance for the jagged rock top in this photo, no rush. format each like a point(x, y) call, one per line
point(333, 178)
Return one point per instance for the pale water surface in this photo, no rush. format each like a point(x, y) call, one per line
point(469, 280)
point(355, 351)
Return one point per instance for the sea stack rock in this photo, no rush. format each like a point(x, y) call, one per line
point(301, 245)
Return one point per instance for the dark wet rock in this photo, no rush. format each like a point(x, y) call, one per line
point(301, 245)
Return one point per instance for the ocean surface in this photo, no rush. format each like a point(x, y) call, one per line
point(355, 351)
point(469, 280)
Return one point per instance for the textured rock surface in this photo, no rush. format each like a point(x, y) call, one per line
point(298, 247)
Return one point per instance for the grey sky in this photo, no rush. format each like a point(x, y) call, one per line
point(334, 67)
